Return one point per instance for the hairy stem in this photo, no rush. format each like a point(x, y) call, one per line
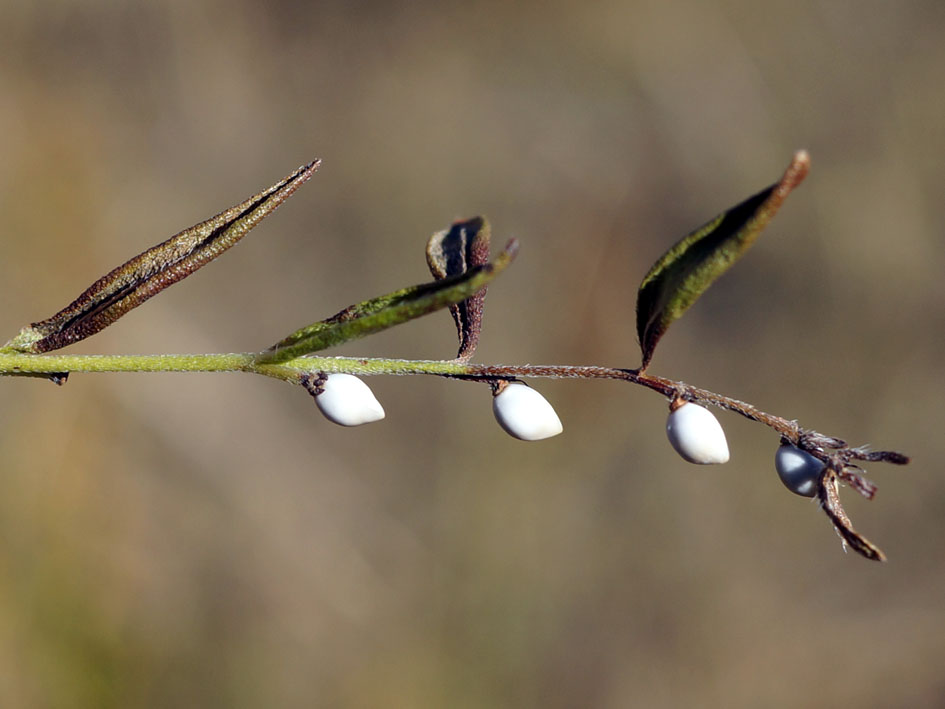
point(290, 370)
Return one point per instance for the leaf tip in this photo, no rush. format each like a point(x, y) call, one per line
point(802, 157)
point(511, 250)
point(796, 171)
point(306, 171)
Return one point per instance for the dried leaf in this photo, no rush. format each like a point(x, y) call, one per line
point(147, 274)
point(894, 457)
point(684, 272)
point(830, 501)
point(386, 311)
point(849, 475)
point(453, 252)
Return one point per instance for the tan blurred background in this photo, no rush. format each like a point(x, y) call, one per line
point(184, 540)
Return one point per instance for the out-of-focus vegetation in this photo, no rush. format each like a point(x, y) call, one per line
point(184, 540)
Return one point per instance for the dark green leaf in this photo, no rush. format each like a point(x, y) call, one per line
point(684, 272)
point(387, 311)
point(150, 272)
point(453, 252)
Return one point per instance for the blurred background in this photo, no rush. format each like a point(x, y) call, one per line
point(210, 540)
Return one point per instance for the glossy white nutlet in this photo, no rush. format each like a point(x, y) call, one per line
point(799, 470)
point(697, 435)
point(525, 414)
point(348, 401)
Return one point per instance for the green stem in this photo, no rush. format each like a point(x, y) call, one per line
point(17, 363)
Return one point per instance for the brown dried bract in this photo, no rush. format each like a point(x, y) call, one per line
point(829, 498)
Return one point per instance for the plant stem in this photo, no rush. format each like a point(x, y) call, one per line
point(291, 370)
point(17, 363)
point(838, 458)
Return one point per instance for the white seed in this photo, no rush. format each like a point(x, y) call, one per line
point(525, 414)
point(697, 435)
point(348, 401)
point(799, 470)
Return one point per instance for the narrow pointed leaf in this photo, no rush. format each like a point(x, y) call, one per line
point(150, 272)
point(684, 272)
point(453, 252)
point(386, 311)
